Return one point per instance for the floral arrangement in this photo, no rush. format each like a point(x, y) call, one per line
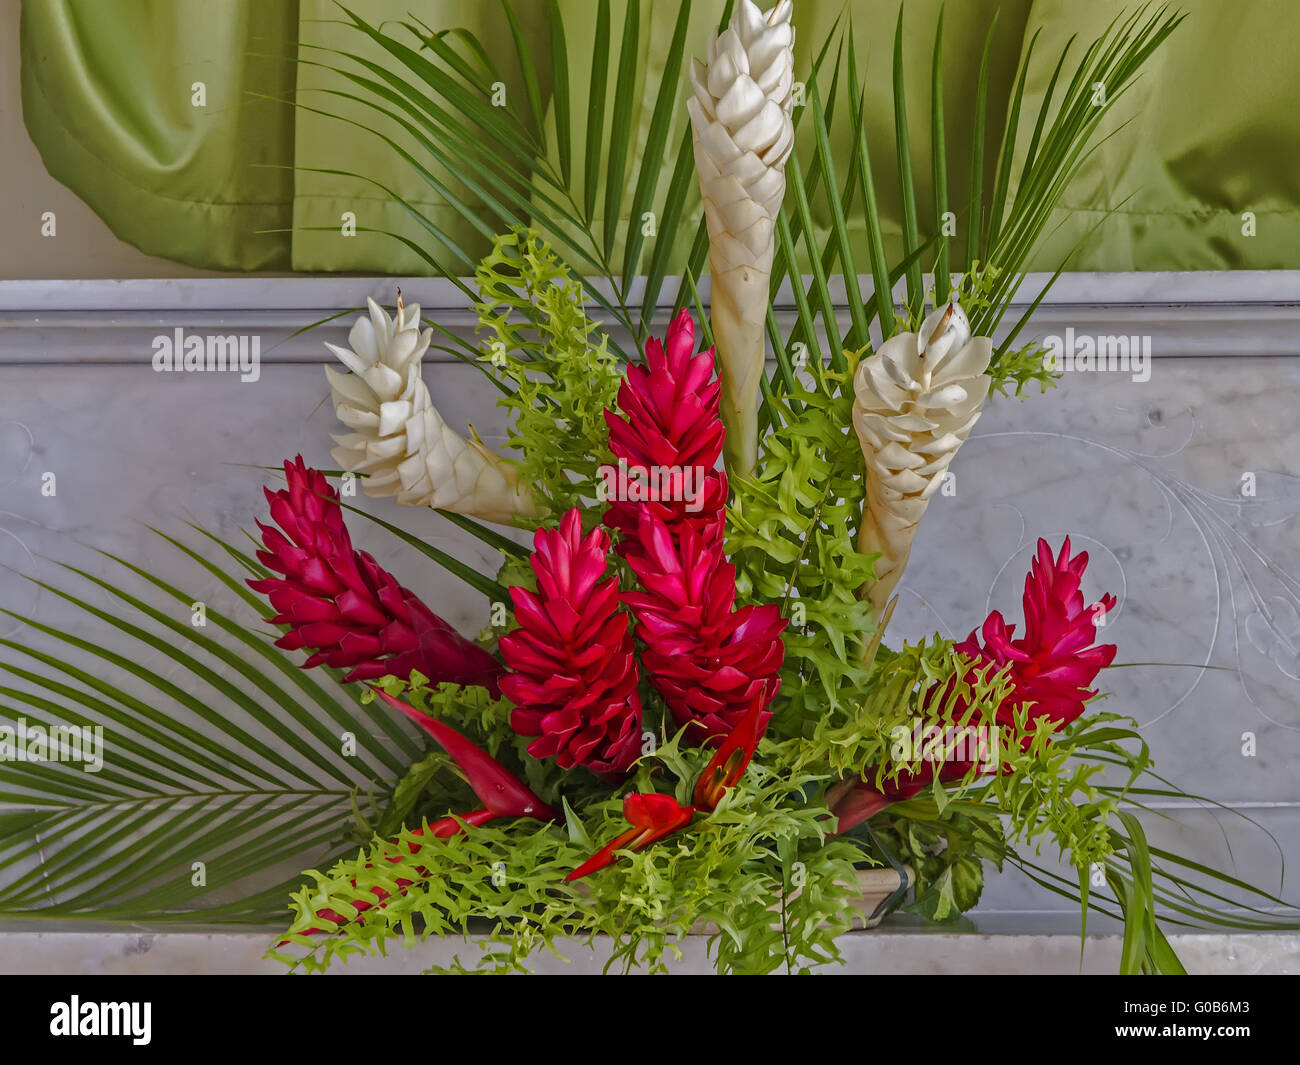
point(643, 753)
point(683, 716)
point(690, 721)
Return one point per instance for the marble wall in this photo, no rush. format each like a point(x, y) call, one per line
point(1184, 488)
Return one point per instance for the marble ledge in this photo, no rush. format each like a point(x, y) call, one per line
point(1170, 288)
point(896, 952)
point(1209, 314)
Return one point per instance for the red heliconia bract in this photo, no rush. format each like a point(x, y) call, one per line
point(345, 608)
point(1052, 667)
point(574, 676)
point(670, 421)
point(708, 661)
point(501, 792)
point(654, 816)
point(651, 815)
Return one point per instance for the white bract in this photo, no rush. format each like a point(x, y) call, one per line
point(741, 117)
point(399, 441)
point(915, 402)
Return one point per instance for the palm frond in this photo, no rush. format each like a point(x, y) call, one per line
point(224, 770)
point(939, 166)
point(517, 174)
point(907, 189)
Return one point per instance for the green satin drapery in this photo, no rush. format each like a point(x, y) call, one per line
point(108, 97)
point(1214, 130)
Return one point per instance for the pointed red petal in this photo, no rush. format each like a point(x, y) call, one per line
point(499, 789)
point(652, 816)
point(732, 757)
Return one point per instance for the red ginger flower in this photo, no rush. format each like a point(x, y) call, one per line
point(574, 679)
point(345, 608)
point(672, 422)
point(1052, 667)
point(1053, 664)
point(708, 661)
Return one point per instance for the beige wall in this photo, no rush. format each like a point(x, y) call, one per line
point(84, 246)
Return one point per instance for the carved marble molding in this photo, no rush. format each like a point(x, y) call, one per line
point(1246, 313)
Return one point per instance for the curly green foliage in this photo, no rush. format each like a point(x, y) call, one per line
point(1050, 793)
point(943, 839)
point(757, 874)
point(862, 733)
point(790, 532)
point(556, 363)
point(1048, 789)
point(1012, 369)
point(1045, 793)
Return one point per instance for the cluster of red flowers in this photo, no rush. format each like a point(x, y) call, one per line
point(573, 673)
point(572, 668)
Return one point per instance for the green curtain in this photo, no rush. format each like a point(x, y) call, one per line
point(244, 181)
point(1213, 133)
point(109, 98)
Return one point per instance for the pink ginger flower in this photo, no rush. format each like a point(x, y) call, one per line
point(1051, 668)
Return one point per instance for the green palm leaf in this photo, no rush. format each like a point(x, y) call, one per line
point(517, 176)
point(939, 164)
point(219, 780)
